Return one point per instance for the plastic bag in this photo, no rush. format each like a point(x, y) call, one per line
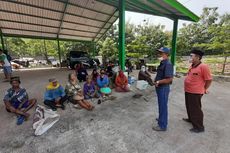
point(141, 84)
point(44, 119)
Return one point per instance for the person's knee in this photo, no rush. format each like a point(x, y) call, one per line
point(33, 101)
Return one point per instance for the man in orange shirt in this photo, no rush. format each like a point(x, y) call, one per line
point(196, 83)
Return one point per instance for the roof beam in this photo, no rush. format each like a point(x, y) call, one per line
point(45, 32)
point(62, 18)
point(47, 18)
point(106, 23)
point(53, 10)
point(73, 4)
point(49, 26)
point(41, 37)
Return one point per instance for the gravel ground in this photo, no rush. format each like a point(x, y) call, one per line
point(123, 125)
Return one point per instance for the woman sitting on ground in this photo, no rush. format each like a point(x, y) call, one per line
point(16, 100)
point(94, 76)
point(75, 93)
point(103, 83)
point(121, 82)
point(90, 89)
point(82, 73)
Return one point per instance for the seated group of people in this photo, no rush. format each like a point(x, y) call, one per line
point(97, 85)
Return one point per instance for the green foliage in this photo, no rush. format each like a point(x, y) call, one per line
point(211, 34)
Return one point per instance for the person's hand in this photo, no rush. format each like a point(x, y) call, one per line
point(206, 91)
point(156, 84)
point(57, 99)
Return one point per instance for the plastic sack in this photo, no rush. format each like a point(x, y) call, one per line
point(44, 119)
point(116, 69)
point(141, 84)
point(131, 80)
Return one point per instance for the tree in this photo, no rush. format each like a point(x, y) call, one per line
point(197, 33)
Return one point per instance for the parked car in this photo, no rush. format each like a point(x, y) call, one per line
point(76, 57)
point(53, 61)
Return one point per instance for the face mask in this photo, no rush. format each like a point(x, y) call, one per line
point(160, 58)
point(143, 69)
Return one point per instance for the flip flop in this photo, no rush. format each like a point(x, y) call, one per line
point(20, 119)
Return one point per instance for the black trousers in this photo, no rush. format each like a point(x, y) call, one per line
point(194, 111)
point(52, 104)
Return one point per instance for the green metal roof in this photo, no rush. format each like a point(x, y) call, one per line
point(85, 20)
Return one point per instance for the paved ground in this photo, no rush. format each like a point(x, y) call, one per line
point(120, 126)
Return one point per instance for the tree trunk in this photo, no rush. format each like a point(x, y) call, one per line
point(225, 60)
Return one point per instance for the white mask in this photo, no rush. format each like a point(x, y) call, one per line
point(142, 68)
point(160, 58)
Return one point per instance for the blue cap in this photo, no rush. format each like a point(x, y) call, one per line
point(164, 50)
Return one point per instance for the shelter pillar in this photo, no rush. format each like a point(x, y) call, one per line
point(122, 34)
point(59, 52)
point(174, 37)
point(94, 49)
point(2, 40)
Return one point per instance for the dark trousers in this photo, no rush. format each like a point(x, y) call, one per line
point(162, 96)
point(194, 111)
point(52, 104)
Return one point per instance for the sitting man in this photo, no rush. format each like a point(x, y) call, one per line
point(121, 82)
point(16, 100)
point(144, 75)
point(55, 95)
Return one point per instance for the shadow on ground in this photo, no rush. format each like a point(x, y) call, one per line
point(123, 125)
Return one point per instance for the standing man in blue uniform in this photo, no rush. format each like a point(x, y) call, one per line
point(163, 80)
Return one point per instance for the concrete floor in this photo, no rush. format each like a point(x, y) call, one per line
point(120, 126)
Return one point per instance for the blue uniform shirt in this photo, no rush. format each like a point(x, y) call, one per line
point(164, 70)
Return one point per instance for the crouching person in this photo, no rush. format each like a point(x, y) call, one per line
point(55, 95)
point(90, 89)
point(17, 101)
point(74, 92)
point(121, 82)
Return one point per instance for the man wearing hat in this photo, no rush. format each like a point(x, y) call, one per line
point(55, 95)
point(196, 83)
point(163, 80)
point(16, 100)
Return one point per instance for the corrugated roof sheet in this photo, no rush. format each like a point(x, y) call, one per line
point(76, 19)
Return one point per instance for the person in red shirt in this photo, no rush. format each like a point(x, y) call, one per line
point(121, 82)
point(196, 83)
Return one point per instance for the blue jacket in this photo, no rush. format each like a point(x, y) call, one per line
point(103, 82)
point(53, 93)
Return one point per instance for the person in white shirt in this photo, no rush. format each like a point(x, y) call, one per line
point(6, 66)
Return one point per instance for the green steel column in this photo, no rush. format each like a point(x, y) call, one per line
point(94, 49)
point(2, 41)
point(174, 37)
point(59, 52)
point(122, 34)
